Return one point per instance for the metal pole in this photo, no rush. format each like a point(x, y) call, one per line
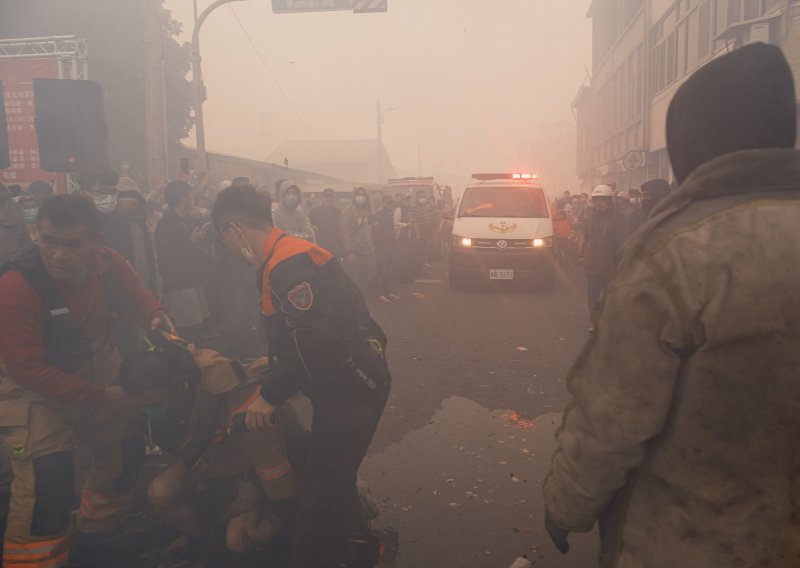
point(380, 142)
point(199, 88)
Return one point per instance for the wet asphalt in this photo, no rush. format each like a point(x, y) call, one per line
point(478, 390)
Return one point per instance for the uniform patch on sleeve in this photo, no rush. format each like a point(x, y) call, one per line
point(302, 296)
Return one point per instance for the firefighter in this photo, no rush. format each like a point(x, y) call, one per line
point(198, 393)
point(322, 342)
point(64, 296)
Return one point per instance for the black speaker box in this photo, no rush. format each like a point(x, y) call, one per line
point(70, 124)
point(5, 157)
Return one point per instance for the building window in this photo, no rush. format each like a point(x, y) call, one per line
point(744, 10)
point(752, 9)
point(704, 31)
point(771, 5)
point(672, 59)
point(734, 11)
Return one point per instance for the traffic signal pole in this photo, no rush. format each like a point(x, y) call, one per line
point(199, 87)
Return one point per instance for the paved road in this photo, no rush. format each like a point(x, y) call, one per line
point(465, 442)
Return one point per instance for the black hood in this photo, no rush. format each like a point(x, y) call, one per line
point(742, 101)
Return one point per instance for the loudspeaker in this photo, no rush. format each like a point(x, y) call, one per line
point(5, 157)
point(70, 124)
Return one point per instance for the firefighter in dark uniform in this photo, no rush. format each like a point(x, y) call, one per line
point(323, 342)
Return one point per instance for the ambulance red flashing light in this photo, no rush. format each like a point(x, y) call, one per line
point(490, 177)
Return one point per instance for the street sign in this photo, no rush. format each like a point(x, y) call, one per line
point(368, 6)
point(293, 6)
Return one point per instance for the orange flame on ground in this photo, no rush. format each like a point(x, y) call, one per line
point(515, 421)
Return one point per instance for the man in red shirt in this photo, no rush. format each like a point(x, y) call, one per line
point(61, 304)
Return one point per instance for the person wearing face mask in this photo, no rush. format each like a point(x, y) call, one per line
point(358, 246)
point(289, 216)
point(100, 185)
point(604, 233)
point(129, 234)
point(385, 244)
point(323, 342)
point(421, 219)
point(30, 210)
point(403, 270)
point(182, 262)
point(327, 221)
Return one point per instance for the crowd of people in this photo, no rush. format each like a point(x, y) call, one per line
point(118, 298)
point(590, 230)
point(680, 440)
point(379, 243)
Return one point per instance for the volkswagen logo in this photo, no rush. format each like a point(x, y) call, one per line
point(502, 245)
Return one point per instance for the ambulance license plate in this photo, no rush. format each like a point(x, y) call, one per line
point(501, 274)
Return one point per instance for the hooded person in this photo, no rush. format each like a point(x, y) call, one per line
point(127, 232)
point(681, 438)
point(327, 221)
point(288, 216)
point(653, 192)
point(358, 246)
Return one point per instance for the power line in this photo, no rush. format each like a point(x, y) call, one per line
point(271, 74)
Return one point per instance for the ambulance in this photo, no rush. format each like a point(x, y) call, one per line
point(502, 231)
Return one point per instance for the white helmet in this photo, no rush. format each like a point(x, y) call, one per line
point(602, 191)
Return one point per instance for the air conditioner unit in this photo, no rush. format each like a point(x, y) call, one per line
point(759, 33)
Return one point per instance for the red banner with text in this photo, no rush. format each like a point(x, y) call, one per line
point(17, 76)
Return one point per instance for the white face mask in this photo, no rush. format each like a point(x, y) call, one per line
point(105, 203)
point(249, 256)
point(423, 200)
point(361, 200)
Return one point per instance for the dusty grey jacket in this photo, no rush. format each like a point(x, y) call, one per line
point(682, 436)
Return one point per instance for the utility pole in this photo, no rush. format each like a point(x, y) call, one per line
point(379, 149)
point(155, 96)
point(379, 156)
point(199, 88)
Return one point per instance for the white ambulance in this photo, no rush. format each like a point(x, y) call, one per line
point(502, 230)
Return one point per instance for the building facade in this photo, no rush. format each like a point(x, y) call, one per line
point(643, 50)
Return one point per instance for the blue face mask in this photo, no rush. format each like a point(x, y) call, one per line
point(30, 216)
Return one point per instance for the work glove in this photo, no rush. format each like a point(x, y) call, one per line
point(557, 534)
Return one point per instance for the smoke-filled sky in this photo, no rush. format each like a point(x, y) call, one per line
point(471, 79)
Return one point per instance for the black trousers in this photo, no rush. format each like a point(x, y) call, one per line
point(328, 507)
